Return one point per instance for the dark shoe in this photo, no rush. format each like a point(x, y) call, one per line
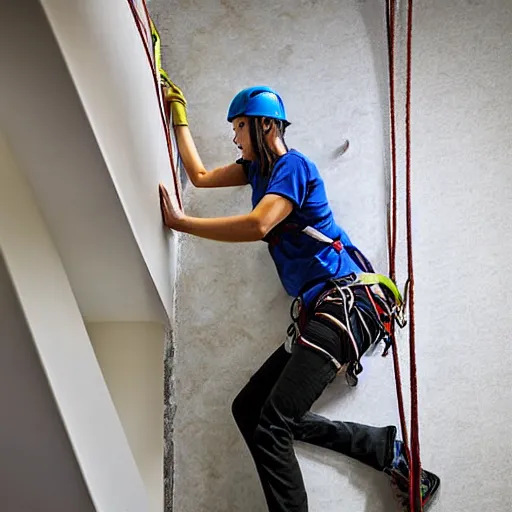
point(399, 474)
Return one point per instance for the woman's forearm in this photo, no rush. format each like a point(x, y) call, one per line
point(240, 228)
point(189, 154)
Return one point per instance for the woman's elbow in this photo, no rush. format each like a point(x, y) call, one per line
point(198, 179)
point(259, 228)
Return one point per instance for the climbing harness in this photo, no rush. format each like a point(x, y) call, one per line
point(339, 304)
point(381, 292)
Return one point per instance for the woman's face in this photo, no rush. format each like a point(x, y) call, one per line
point(242, 138)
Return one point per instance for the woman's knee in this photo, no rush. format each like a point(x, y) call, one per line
point(239, 407)
point(244, 411)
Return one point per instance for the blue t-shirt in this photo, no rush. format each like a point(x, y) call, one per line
point(299, 258)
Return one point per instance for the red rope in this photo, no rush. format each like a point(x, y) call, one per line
point(156, 73)
point(415, 462)
point(413, 454)
point(390, 12)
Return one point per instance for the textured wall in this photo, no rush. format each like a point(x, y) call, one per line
point(326, 57)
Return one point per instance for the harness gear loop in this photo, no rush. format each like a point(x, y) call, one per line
point(398, 312)
point(382, 297)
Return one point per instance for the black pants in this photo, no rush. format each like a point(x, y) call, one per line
point(273, 409)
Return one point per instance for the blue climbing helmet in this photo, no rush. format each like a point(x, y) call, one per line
point(259, 101)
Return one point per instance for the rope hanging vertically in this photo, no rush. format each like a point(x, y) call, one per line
point(156, 75)
point(413, 452)
point(392, 209)
point(415, 462)
point(390, 17)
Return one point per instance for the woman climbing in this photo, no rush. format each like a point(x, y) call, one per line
point(337, 317)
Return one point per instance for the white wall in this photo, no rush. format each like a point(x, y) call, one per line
point(102, 230)
point(64, 349)
point(130, 355)
point(51, 137)
point(326, 59)
point(115, 84)
point(38, 469)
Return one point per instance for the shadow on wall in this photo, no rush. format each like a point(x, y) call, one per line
point(38, 467)
point(373, 14)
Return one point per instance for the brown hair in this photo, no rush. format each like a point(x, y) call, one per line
point(257, 130)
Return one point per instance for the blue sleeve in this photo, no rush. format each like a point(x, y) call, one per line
point(250, 170)
point(290, 180)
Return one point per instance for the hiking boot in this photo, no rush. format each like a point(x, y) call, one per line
point(399, 474)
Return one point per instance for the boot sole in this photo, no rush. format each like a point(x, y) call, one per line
point(434, 492)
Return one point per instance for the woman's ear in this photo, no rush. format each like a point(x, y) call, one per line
point(267, 125)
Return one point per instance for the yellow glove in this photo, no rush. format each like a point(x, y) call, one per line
point(174, 95)
point(155, 38)
point(179, 114)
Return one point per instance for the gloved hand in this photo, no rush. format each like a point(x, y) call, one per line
point(174, 95)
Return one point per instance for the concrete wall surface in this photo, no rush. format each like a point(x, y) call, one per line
point(328, 60)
